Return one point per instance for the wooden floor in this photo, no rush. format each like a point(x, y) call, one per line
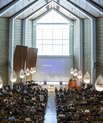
point(51, 116)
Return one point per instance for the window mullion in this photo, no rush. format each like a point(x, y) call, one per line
point(52, 40)
point(42, 39)
point(62, 40)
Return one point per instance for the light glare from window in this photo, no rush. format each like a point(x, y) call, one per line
point(52, 35)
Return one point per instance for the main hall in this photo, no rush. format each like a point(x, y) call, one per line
point(51, 59)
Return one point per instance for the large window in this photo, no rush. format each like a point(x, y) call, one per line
point(52, 38)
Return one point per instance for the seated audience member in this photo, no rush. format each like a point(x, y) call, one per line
point(41, 97)
point(11, 117)
point(22, 100)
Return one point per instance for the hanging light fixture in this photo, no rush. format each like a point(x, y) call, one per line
point(27, 72)
point(31, 70)
point(13, 77)
point(86, 78)
point(34, 70)
point(75, 72)
point(99, 83)
point(1, 82)
point(22, 74)
point(71, 71)
point(79, 74)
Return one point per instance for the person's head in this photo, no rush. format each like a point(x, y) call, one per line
point(70, 80)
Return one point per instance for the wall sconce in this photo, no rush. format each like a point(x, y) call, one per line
point(86, 78)
point(13, 77)
point(1, 82)
point(99, 83)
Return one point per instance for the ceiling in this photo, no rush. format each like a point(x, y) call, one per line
point(32, 9)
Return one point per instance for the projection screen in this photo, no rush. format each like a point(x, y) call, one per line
point(53, 68)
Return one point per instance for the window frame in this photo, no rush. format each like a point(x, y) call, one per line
point(70, 39)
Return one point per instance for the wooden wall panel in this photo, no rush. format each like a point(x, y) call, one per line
point(76, 46)
point(87, 46)
point(35, 54)
point(20, 57)
point(31, 57)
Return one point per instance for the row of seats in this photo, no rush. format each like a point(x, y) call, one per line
point(23, 103)
point(17, 121)
point(79, 106)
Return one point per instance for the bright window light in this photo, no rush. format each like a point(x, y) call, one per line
point(52, 17)
point(52, 34)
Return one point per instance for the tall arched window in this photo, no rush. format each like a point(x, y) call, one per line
point(52, 34)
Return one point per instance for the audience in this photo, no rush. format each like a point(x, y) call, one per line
point(27, 102)
point(23, 102)
point(82, 106)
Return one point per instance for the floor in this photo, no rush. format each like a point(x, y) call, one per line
point(50, 116)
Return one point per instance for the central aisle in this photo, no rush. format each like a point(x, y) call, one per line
point(50, 115)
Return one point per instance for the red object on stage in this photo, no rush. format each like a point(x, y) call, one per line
point(72, 84)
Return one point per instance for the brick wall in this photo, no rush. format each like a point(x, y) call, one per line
point(4, 46)
point(17, 32)
point(76, 46)
point(87, 46)
point(29, 34)
point(99, 46)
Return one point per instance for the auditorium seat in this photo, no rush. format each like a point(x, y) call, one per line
point(20, 121)
point(4, 121)
point(28, 121)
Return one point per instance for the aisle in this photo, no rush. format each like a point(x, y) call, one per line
point(50, 116)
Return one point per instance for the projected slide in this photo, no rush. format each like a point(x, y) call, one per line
point(53, 68)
